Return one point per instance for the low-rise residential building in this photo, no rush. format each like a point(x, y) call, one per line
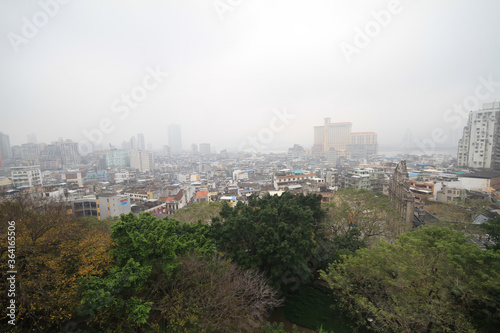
point(422, 190)
point(101, 206)
point(451, 194)
point(286, 178)
point(174, 203)
point(74, 177)
point(137, 195)
point(26, 176)
point(358, 179)
point(481, 179)
point(201, 196)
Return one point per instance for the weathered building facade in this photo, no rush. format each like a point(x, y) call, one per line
point(402, 197)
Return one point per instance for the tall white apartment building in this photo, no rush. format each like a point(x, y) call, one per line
point(142, 160)
point(479, 147)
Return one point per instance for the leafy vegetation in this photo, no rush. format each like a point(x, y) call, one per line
point(456, 215)
point(148, 274)
point(272, 234)
point(195, 212)
point(314, 307)
point(431, 280)
point(52, 252)
point(166, 276)
point(372, 215)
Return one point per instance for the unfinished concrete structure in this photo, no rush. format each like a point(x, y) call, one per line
point(402, 197)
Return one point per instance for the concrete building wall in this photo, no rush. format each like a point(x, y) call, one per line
point(29, 176)
point(118, 158)
point(205, 149)
point(479, 146)
point(141, 160)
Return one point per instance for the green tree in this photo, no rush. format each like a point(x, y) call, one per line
point(143, 245)
point(53, 250)
point(195, 212)
point(374, 216)
point(167, 277)
point(331, 249)
point(432, 280)
point(273, 234)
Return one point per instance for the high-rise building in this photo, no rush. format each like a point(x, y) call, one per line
point(5, 147)
point(339, 137)
point(30, 152)
point(141, 144)
point(336, 135)
point(362, 144)
point(32, 138)
point(174, 138)
point(133, 143)
point(480, 144)
point(205, 149)
point(141, 160)
point(194, 149)
point(117, 158)
point(69, 153)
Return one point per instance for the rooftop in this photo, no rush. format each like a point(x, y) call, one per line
point(482, 174)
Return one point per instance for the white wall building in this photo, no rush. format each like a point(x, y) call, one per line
point(141, 160)
point(26, 176)
point(478, 146)
point(117, 158)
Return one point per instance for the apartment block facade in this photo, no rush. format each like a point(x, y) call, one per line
point(479, 147)
point(26, 176)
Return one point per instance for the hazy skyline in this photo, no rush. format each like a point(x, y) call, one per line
point(233, 67)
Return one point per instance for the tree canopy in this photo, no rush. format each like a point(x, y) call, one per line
point(374, 216)
point(53, 251)
point(166, 276)
point(143, 245)
point(432, 279)
point(273, 234)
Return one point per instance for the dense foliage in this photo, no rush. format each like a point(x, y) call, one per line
point(374, 216)
point(432, 280)
point(53, 251)
point(166, 277)
point(272, 234)
point(148, 274)
point(199, 211)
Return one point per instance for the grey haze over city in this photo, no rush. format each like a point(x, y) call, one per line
point(230, 70)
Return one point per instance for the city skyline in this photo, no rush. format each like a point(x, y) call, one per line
point(399, 69)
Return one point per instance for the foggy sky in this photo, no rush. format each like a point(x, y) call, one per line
point(231, 67)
